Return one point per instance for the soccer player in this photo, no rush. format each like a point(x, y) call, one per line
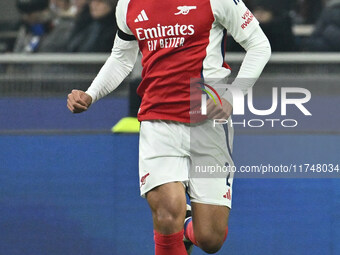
point(180, 40)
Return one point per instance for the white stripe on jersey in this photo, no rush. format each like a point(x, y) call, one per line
point(144, 15)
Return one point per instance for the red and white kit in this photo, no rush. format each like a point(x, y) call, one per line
point(180, 40)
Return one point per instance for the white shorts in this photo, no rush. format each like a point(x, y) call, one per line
point(198, 155)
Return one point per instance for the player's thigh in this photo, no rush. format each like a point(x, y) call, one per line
point(210, 221)
point(210, 183)
point(168, 206)
point(169, 196)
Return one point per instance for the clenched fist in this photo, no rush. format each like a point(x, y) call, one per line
point(78, 101)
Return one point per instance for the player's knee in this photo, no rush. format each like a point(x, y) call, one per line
point(169, 213)
point(166, 218)
point(210, 246)
point(168, 205)
point(210, 242)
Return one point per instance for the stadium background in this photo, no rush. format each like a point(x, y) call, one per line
point(69, 186)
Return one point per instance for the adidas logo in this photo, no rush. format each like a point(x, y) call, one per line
point(227, 195)
point(141, 17)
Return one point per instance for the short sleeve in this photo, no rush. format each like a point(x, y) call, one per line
point(121, 11)
point(235, 17)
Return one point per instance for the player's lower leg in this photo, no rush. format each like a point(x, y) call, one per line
point(210, 227)
point(168, 203)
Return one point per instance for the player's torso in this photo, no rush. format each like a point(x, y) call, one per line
point(164, 27)
point(173, 36)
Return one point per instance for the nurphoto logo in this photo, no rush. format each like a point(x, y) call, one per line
point(281, 99)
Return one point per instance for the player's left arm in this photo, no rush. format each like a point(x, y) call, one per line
point(245, 29)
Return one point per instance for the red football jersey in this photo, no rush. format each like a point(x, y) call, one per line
point(180, 40)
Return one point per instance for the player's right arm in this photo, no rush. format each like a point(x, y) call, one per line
point(243, 26)
point(116, 68)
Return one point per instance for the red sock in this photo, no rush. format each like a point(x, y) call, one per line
point(189, 232)
point(226, 234)
point(169, 244)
